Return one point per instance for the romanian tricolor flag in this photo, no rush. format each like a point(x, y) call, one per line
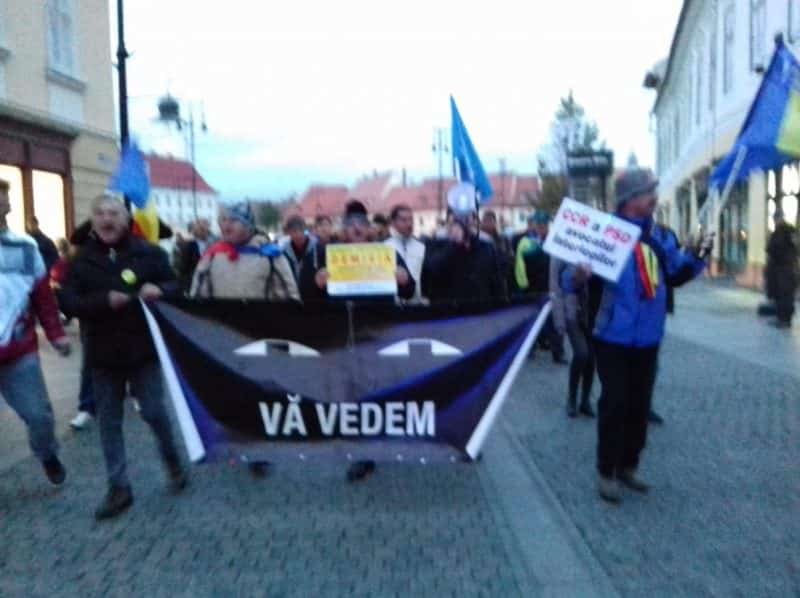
point(131, 179)
point(770, 136)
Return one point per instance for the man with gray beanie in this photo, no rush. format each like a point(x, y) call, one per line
point(629, 327)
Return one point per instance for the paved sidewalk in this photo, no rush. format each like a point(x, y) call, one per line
point(722, 519)
point(488, 529)
point(524, 521)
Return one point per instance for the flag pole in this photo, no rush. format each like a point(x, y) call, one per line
point(726, 191)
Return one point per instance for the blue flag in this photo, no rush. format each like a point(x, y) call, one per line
point(131, 178)
point(770, 136)
point(470, 169)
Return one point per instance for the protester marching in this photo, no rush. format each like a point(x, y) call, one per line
point(352, 337)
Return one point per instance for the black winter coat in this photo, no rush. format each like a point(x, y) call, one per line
point(452, 273)
point(782, 267)
point(115, 339)
point(315, 260)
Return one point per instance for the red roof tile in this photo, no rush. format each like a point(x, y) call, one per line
point(373, 190)
point(322, 200)
point(171, 173)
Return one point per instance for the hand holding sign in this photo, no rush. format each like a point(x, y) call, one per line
point(582, 235)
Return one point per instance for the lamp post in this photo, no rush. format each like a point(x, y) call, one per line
point(122, 79)
point(440, 148)
point(169, 111)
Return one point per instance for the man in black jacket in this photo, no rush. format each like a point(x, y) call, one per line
point(190, 251)
point(113, 271)
point(462, 267)
point(46, 246)
point(314, 277)
point(782, 273)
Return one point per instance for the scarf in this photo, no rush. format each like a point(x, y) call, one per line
point(647, 267)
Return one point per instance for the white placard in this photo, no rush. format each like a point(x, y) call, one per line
point(580, 234)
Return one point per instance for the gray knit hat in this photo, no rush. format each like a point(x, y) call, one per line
point(632, 183)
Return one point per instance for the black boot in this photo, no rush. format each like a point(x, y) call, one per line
point(586, 408)
point(54, 471)
point(359, 470)
point(178, 476)
point(118, 499)
point(571, 411)
point(258, 469)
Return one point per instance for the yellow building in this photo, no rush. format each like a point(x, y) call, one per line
point(58, 143)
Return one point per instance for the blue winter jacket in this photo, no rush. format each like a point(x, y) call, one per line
point(626, 316)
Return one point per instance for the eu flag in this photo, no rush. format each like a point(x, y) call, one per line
point(770, 136)
point(470, 169)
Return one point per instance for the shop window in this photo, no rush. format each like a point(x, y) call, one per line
point(48, 203)
point(16, 218)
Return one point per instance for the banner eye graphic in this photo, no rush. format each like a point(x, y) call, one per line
point(403, 348)
point(276, 346)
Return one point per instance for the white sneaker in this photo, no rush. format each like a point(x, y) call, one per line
point(80, 421)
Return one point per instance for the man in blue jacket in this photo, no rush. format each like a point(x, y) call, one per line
point(628, 331)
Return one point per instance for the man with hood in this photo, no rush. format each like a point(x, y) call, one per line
point(628, 331)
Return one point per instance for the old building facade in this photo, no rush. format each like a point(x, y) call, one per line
point(704, 89)
point(58, 144)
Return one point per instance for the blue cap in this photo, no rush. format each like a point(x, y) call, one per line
point(242, 212)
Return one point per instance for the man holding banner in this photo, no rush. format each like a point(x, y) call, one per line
point(107, 280)
point(315, 284)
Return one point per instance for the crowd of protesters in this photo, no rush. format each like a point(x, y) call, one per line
point(614, 328)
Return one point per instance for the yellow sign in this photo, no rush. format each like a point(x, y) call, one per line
point(361, 269)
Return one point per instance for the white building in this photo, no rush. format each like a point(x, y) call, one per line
point(171, 183)
point(719, 52)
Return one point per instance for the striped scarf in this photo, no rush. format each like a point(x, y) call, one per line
point(647, 266)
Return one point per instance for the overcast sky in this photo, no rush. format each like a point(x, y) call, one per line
point(319, 91)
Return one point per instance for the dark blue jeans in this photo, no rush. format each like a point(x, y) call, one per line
point(86, 393)
point(147, 386)
point(22, 386)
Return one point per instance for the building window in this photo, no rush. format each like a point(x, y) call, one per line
point(61, 36)
point(794, 21)
point(712, 70)
point(729, 24)
point(758, 33)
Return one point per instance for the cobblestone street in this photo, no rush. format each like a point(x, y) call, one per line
point(525, 521)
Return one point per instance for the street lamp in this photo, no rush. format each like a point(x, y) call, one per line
point(169, 111)
point(122, 81)
point(440, 148)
